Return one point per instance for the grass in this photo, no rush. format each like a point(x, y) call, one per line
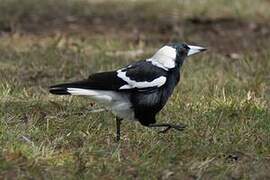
point(223, 96)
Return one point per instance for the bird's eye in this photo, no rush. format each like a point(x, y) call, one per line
point(183, 51)
point(186, 47)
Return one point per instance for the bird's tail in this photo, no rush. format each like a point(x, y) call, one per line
point(69, 88)
point(85, 88)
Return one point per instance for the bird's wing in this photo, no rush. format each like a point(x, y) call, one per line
point(105, 81)
point(142, 75)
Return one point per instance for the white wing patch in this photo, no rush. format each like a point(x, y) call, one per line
point(144, 84)
point(164, 58)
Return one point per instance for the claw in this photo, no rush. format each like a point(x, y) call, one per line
point(177, 127)
point(165, 130)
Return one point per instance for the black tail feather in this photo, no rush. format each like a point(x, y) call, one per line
point(98, 81)
point(61, 89)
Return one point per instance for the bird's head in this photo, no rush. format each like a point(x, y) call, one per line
point(174, 54)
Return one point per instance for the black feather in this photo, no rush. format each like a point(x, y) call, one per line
point(144, 71)
point(59, 91)
point(98, 81)
point(104, 81)
point(138, 71)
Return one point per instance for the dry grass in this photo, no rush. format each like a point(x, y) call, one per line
point(223, 96)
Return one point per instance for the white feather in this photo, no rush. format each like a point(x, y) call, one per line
point(158, 64)
point(164, 58)
point(118, 103)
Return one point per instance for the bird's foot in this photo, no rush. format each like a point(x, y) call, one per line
point(179, 127)
point(176, 127)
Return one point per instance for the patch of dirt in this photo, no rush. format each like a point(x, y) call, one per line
point(230, 35)
point(223, 35)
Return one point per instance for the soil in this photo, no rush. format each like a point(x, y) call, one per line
point(224, 35)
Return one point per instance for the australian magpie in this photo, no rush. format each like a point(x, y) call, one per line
point(137, 91)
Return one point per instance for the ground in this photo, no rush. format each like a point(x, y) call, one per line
point(223, 96)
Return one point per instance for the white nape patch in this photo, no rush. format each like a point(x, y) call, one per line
point(117, 102)
point(164, 58)
point(194, 50)
point(134, 84)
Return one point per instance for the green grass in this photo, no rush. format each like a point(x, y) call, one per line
point(223, 96)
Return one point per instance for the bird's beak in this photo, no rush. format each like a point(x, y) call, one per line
point(195, 50)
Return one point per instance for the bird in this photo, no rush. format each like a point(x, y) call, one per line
point(137, 91)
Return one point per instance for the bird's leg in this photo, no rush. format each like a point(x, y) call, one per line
point(118, 124)
point(179, 127)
